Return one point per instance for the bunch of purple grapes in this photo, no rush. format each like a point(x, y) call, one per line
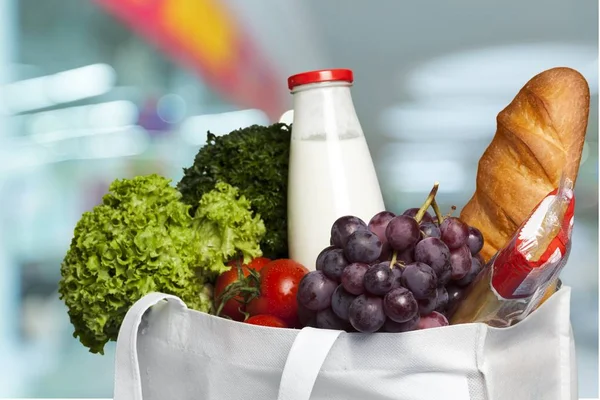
point(394, 274)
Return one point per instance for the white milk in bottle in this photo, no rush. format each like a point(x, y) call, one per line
point(331, 172)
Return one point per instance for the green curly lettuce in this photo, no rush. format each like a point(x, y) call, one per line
point(226, 228)
point(142, 239)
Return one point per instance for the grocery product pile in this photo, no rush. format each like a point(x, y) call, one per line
point(266, 229)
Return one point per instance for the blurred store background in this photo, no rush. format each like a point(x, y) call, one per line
point(95, 90)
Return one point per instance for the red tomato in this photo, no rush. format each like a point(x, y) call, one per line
point(278, 287)
point(266, 320)
point(258, 263)
point(232, 307)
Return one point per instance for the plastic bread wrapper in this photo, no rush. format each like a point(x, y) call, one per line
point(514, 281)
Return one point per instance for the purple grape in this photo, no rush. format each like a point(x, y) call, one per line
point(363, 246)
point(379, 279)
point(343, 227)
point(476, 268)
point(412, 212)
point(428, 305)
point(306, 317)
point(420, 279)
point(333, 264)
point(396, 276)
point(321, 256)
point(315, 290)
point(379, 222)
point(446, 276)
point(400, 305)
point(326, 319)
point(366, 313)
point(353, 278)
point(460, 262)
point(386, 252)
point(397, 327)
point(403, 232)
point(455, 295)
point(474, 240)
point(433, 252)
point(480, 258)
point(407, 256)
point(429, 229)
point(433, 320)
point(454, 232)
point(340, 302)
point(442, 299)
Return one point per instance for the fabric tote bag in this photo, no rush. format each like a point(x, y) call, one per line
point(166, 351)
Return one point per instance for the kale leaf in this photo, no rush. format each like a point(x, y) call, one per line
point(255, 160)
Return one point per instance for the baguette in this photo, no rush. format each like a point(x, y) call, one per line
point(539, 136)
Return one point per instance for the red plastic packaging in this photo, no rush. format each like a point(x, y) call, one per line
point(514, 282)
point(515, 274)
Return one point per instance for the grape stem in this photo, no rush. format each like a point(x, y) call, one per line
point(452, 209)
point(430, 199)
point(428, 202)
point(394, 257)
point(438, 212)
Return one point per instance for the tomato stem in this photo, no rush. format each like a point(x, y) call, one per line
point(246, 287)
point(244, 313)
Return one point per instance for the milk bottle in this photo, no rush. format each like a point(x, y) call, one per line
point(331, 172)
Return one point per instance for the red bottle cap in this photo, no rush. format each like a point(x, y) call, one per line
point(323, 75)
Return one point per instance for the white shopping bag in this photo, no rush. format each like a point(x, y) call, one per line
point(173, 353)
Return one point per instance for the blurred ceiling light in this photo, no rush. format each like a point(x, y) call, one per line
point(445, 151)
point(171, 108)
point(122, 143)
point(88, 81)
point(113, 114)
point(73, 145)
point(23, 156)
point(418, 176)
point(45, 122)
point(101, 115)
point(498, 71)
point(194, 129)
point(67, 134)
point(63, 87)
point(440, 120)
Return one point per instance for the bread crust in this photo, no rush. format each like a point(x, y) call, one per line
point(539, 135)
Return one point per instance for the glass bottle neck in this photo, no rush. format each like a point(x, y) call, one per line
point(324, 111)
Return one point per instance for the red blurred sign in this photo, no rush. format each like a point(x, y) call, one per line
point(204, 36)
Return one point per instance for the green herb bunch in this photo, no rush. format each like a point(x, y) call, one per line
point(255, 160)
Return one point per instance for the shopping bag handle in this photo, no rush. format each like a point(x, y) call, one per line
point(128, 385)
point(287, 117)
point(304, 361)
